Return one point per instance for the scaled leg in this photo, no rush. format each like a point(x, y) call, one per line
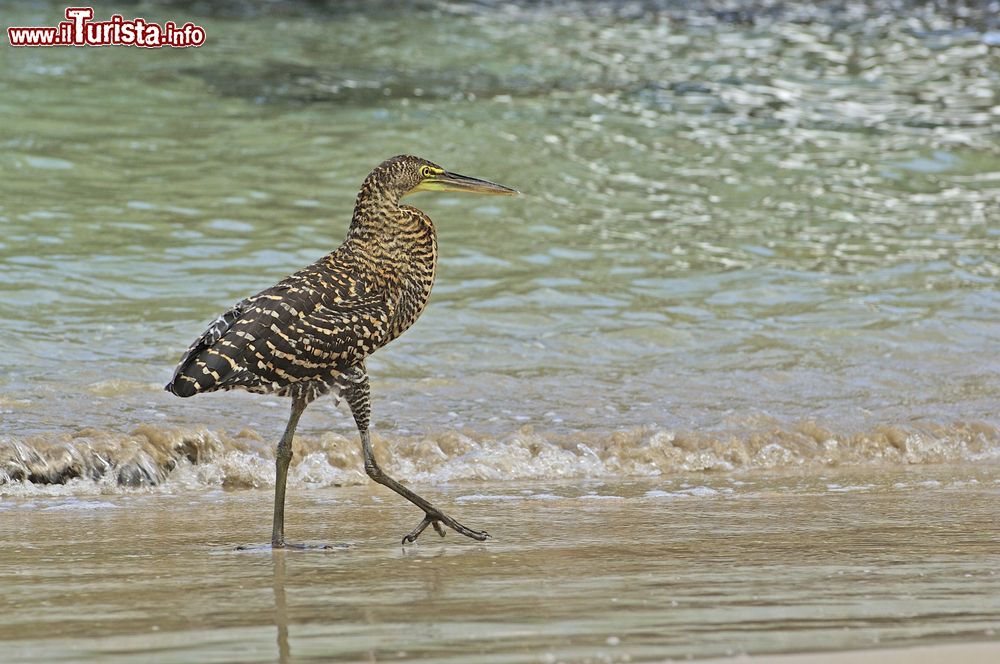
point(282, 457)
point(357, 394)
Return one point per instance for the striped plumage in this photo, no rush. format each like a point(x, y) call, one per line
point(310, 333)
point(297, 337)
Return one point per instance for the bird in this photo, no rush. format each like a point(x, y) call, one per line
point(309, 334)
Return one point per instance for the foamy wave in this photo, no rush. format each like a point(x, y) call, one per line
point(92, 461)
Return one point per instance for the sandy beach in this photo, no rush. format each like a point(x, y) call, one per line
point(651, 570)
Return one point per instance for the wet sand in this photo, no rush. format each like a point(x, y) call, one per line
point(694, 566)
point(967, 653)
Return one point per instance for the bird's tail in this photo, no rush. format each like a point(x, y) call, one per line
point(203, 368)
point(205, 372)
point(182, 386)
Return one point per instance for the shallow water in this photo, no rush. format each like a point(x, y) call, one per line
point(594, 572)
point(740, 222)
point(749, 293)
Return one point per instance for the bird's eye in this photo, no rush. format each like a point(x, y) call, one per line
point(425, 171)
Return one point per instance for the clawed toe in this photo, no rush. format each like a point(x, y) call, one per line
point(437, 520)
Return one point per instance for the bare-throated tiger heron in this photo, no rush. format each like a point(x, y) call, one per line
point(310, 333)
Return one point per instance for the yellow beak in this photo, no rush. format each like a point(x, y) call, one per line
point(446, 181)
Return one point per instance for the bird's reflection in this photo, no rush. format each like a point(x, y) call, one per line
point(280, 605)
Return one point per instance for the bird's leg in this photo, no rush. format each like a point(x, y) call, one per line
point(282, 457)
point(432, 515)
point(356, 393)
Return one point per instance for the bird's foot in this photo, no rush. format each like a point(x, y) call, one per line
point(436, 519)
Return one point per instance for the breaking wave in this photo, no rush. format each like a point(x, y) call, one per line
point(95, 461)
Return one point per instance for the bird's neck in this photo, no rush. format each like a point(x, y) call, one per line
point(394, 233)
point(394, 249)
point(375, 210)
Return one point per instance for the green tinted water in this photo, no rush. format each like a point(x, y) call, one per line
point(739, 222)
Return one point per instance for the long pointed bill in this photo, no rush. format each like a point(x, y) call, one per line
point(454, 182)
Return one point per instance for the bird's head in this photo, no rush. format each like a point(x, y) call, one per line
point(406, 174)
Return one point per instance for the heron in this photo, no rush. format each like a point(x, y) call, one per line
point(309, 334)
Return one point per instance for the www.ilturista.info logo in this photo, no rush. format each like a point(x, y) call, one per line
point(79, 30)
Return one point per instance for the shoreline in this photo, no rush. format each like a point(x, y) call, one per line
point(651, 570)
point(983, 652)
